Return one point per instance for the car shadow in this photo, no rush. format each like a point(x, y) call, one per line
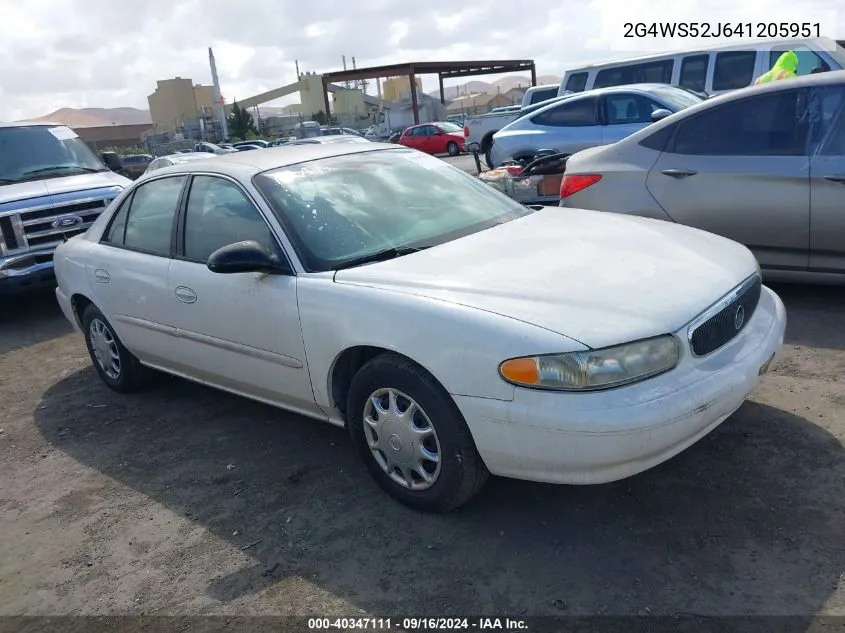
point(748, 521)
point(30, 319)
point(815, 315)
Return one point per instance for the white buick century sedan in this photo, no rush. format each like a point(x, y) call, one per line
point(454, 332)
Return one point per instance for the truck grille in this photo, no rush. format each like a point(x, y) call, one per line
point(29, 225)
point(726, 319)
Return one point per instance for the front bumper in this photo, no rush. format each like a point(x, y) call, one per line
point(27, 272)
point(592, 438)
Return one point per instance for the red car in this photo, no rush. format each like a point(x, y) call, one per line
point(434, 138)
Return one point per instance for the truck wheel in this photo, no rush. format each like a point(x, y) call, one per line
point(411, 435)
point(452, 148)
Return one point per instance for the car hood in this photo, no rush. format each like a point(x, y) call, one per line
point(599, 278)
point(55, 186)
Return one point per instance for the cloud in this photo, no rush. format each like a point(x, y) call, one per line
point(86, 53)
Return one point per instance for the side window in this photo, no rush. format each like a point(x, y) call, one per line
point(659, 72)
point(150, 223)
point(808, 61)
point(767, 125)
point(576, 82)
point(734, 70)
point(694, 72)
point(429, 130)
point(219, 214)
point(629, 108)
point(827, 120)
point(575, 113)
point(117, 228)
point(660, 138)
point(543, 95)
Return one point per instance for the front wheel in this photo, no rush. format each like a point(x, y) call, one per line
point(453, 149)
point(115, 364)
point(411, 436)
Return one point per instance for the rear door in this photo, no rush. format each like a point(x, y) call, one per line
point(827, 180)
point(624, 113)
point(740, 170)
point(127, 270)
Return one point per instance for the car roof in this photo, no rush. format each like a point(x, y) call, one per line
point(246, 164)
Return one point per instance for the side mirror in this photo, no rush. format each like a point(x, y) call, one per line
point(112, 161)
point(246, 257)
point(659, 115)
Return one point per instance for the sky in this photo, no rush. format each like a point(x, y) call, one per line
point(109, 53)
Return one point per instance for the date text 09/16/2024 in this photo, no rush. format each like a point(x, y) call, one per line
point(417, 624)
point(769, 30)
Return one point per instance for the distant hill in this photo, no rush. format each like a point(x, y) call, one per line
point(96, 117)
point(503, 84)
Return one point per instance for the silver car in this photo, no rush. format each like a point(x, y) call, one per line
point(588, 119)
point(764, 166)
point(176, 159)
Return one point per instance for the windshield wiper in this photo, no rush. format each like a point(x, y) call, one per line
point(383, 255)
point(44, 170)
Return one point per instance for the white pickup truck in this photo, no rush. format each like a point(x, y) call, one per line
point(480, 128)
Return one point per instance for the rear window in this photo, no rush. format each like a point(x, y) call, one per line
point(543, 95)
point(576, 82)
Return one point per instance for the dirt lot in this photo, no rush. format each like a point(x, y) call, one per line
point(187, 501)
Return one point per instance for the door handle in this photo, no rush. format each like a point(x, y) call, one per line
point(102, 276)
point(185, 294)
point(839, 179)
point(679, 173)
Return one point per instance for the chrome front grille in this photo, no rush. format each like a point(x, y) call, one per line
point(28, 224)
point(726, 319)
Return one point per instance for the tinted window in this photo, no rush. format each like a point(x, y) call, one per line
point(150, 223)
point(808, 61)
point(576, 113)
point(40, 151)
point(734, 70)
point(219, 214)
point(659, 139)
point(629, 108)
point(576, 82)
point(827, 120)
point(694, 72)
point(659, 72)
point(766, 125)
point(543, 95)
point(117, 228)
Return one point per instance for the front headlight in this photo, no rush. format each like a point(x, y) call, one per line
point(595, 369)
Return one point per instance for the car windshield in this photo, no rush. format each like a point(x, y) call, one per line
point(42, 151)
point(450, 127)
point(676, 98)
point(346, 208)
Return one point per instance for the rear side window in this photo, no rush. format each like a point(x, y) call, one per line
point(117, 228)
point(658, 72)
point(576, 82)
point(694, 72)
point(766, 125)
point(659, 139)
point(808, 61)
point(149, 226)
point(734, 70)
point(578, 113)
point(543, 95)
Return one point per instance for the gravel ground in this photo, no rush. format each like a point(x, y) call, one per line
point(184, 500)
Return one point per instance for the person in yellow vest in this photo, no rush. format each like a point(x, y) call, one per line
point(784, 68)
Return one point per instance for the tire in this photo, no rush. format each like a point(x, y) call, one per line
point(459, 474)
point(127, 375)
point(452, 148)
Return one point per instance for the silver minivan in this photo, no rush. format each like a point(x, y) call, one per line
point(712, 70)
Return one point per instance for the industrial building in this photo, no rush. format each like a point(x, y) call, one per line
point(181, 109)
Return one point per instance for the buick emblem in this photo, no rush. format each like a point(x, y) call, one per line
point(67, 222)
point(739, 317)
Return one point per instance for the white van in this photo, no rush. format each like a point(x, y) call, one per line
point(712, 70)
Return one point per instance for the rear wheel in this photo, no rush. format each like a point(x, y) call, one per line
point(411, 436)
point(115, 364)
point(452, 148)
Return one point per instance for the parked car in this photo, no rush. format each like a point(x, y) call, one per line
point(394, 138)
point(247, 147)
point(339, 138)
point(434, 138)
point(135, 164)
point(764, 166)
point(257, 142)
point(453, 331)
point(212, 148)
point(585, 120)
point(712, 70)
point(539, 94)
point(51, 186)
point(176, 159)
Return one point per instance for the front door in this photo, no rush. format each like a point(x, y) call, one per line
point(740, 170)
point(237, 331)
point(827, 182)
point(134, 253)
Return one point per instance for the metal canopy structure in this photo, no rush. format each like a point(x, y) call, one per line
point(443, 70)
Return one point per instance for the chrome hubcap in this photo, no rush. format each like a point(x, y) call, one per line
point(105, 348)
point(402, 439)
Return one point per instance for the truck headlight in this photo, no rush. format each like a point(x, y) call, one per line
point(594, 369)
